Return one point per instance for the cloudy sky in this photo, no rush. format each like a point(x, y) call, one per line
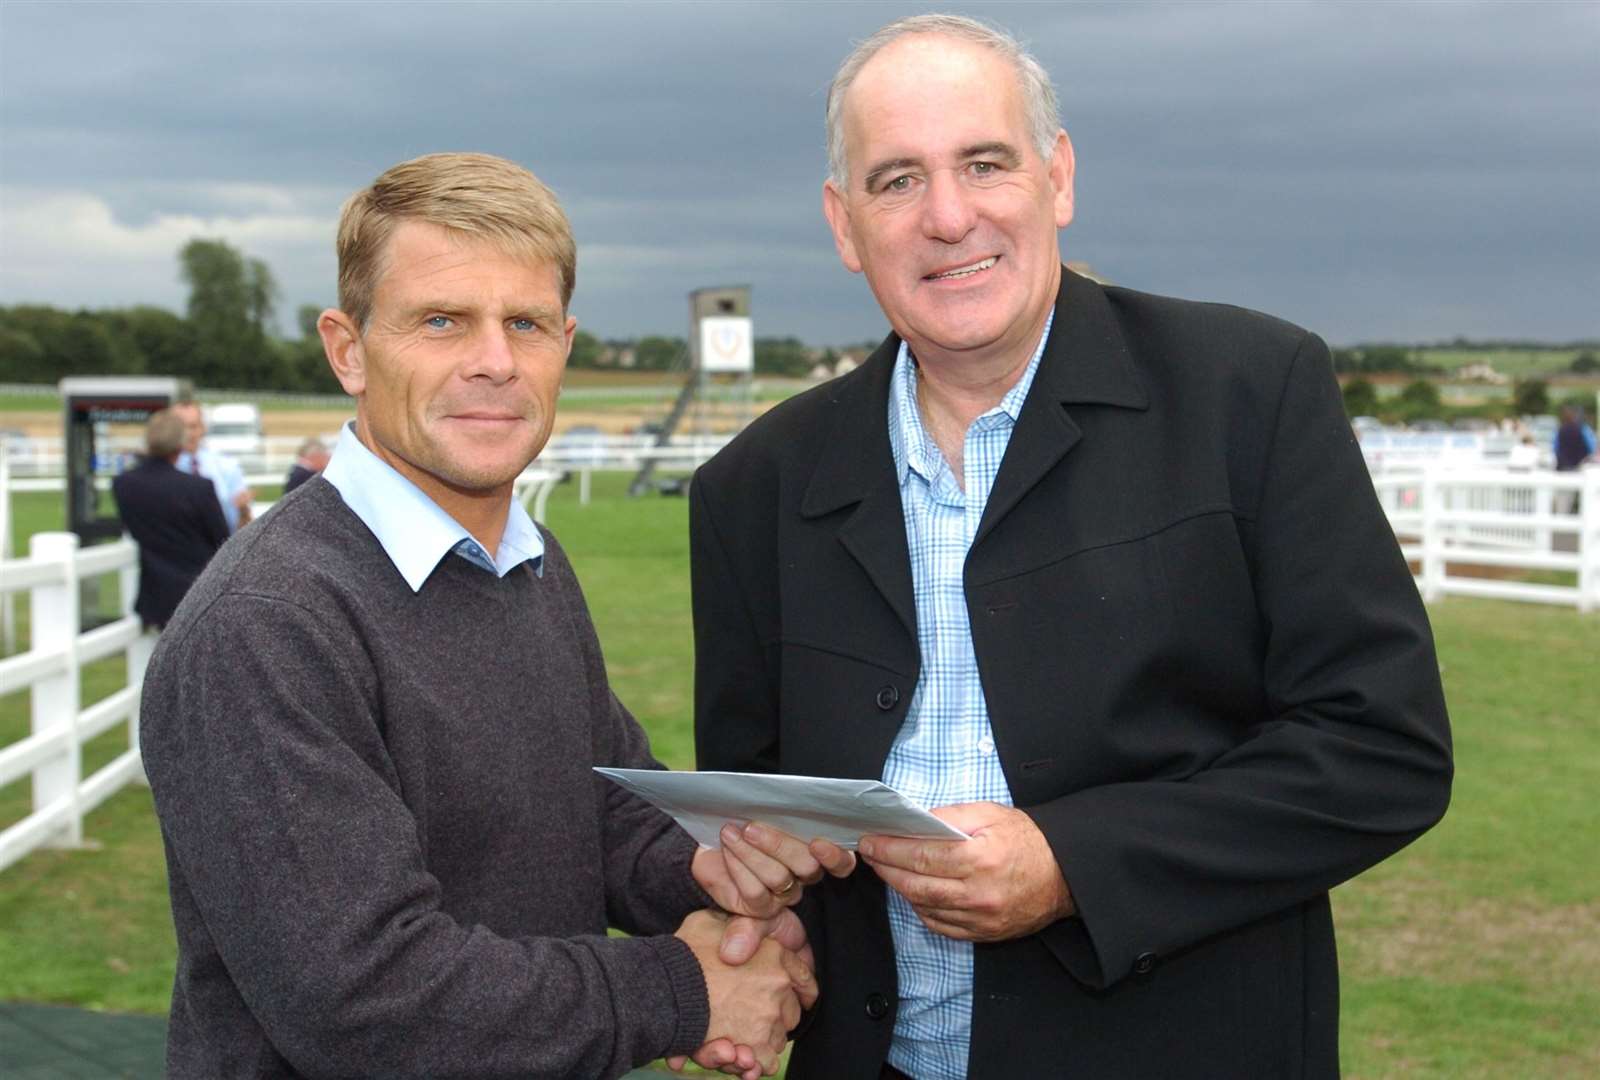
point(1371, 170)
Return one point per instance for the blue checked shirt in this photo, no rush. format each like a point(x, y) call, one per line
point(945, 751)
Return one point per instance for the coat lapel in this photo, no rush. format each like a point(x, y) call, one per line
point(856, 468)
point(1085, 361)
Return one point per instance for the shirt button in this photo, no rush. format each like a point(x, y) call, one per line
point(1145, 964)
point(888, 698)
point(986, 744)
point(877, 1006)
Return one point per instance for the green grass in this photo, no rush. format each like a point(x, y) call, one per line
point(1470, 954)
point(632, 556)
point(30, 403)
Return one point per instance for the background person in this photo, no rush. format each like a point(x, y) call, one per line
point(1573, 444)
point(1574, 440)
point(172, 516)
point(388, 853)
point(233, 494)
point(1098, 574)
point(310, 459)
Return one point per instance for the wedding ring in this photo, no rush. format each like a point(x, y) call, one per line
point(788, 888)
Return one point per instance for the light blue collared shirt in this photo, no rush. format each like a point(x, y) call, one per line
point(414, 530)
point(225, 474)
point(945, 751)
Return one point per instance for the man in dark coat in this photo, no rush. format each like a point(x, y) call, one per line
point(1574, 441)
point(174, 517)
point(1097, 576)
point(311, 460)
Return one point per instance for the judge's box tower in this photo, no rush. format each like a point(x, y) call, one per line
point(718, 387)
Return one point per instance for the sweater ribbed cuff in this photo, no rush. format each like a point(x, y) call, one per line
point(688, 984)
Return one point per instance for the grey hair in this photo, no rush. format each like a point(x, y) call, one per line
point(1039, 104)
point(165, 434)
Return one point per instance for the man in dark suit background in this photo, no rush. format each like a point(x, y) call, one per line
point(174, 517)
point(1101, 577)
point(310, 460)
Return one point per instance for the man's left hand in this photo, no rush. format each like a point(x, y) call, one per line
point(760, 870)
point(1001, 884)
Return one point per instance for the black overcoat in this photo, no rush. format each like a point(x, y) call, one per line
point(1211, 682)
point(178, 524)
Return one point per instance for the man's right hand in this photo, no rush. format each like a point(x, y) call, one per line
point(754, 1004)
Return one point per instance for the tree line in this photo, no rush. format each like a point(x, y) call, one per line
point(225, 338)
point(1409, 359)
point(1420, 400)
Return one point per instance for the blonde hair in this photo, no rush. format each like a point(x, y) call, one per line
point(477, 195)
point(1039, 102)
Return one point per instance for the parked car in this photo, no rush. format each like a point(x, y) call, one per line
point(234, 429)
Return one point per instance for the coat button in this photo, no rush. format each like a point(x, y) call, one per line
point(877, 1006)
point(888, 698)
point(1145, 964)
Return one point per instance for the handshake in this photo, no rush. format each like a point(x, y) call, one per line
point(757, 964)
point(1000, 884)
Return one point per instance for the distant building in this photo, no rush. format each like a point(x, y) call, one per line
point(844, 362)
point(1481, 373)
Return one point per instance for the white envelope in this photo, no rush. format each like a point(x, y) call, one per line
point(808, 807)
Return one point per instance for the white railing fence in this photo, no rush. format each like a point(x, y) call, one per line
point(53, 751)
point(1451, 521)
point(43, 459)
point(39, 463)
point(1387, 449)
point(8, 607)
point(583, 456)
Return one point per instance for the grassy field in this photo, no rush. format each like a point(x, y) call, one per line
point(1516, 363)
point(1471, 954)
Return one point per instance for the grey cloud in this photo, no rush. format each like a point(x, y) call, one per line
point(1371, 170)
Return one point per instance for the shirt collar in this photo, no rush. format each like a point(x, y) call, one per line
point(414, 531)
point(208, 460)
point(909, 440)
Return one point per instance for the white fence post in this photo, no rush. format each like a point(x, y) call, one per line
point(138, 654)
point(138, 660)
point(8, 610)
point(53, 610)
point(1543, 506)
point(1432, 535)
point(1589, 541)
